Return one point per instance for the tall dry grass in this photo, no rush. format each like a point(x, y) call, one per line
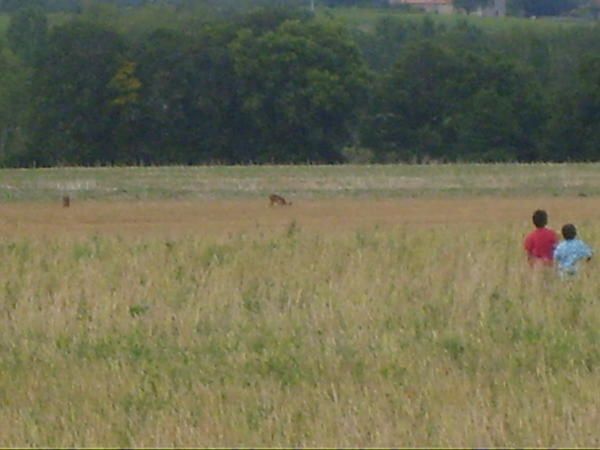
point(398, 337)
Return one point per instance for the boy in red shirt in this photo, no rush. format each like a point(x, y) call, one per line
point(540, 243)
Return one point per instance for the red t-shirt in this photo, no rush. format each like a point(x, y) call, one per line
point(540, 244)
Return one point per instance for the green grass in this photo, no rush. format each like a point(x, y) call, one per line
point(138, 20)
point(366, 18)
point(303, 181)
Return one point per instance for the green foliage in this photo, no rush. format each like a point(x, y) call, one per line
point(544, 7)
point(14, 5)
point(301, 87)
point(192, 83)
point(454, 347)
point(14, 102)
point(126, 85)
point(575, 120)
point(27, 34)
point(138, 310)
point(189, 100)
point(471, 5)
point(439, 102)
point(74, 115)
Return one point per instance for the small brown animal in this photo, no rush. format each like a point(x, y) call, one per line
point(66, 201)
point(275, 199)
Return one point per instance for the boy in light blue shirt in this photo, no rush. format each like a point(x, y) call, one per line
point(570, 251)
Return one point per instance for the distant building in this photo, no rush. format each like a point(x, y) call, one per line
point(436, 6)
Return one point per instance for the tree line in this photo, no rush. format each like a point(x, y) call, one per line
point(280, 85)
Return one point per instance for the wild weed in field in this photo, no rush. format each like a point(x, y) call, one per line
point(407, 336)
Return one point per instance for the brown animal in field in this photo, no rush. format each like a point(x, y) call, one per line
point(66, 201)
point(275, 199)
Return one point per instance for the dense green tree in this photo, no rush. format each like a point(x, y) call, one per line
point(27, 33)
point(153, 135)
point(188, 109)
point(301, 87)
point(543, 7)
point(262, 20)
point(281, 85)
point(506, 111)
point(573, 133)
point(443, 103)
point(14, 5)
point(74, 113)
point(412, 104)
point(14, 103)
point(471, 5)
point(488, 129)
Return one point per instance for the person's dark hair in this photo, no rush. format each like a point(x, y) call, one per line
point(540, 218)
point(569, 231)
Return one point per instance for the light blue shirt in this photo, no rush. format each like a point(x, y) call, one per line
point(568, 253)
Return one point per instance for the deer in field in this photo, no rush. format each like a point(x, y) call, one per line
point(275, 199)
point(66, 201)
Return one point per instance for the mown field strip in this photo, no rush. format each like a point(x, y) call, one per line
point(324, 216)
point(307, 182)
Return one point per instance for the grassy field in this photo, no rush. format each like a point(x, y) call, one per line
point(388, 306)
point(138, 20)
point(366, 18)
point(156, 16)
point(306, 182)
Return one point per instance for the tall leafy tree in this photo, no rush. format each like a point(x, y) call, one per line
point(27, 33)
point(412, 104)
point(505, 113)
point(14, 102)
point(471, 5)
point(573, 132)
point(444, 103)
point(188, 109)
point(543, 7)
point(302, 87)
point(74, 114)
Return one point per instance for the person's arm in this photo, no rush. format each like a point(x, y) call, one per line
point(528, 244)
point(587, 251)
point(582, 251)
point(557, 254)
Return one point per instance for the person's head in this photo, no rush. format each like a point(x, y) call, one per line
point(569, 231)
point(540, 218)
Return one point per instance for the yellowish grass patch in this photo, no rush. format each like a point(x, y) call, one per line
point(329, 323)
